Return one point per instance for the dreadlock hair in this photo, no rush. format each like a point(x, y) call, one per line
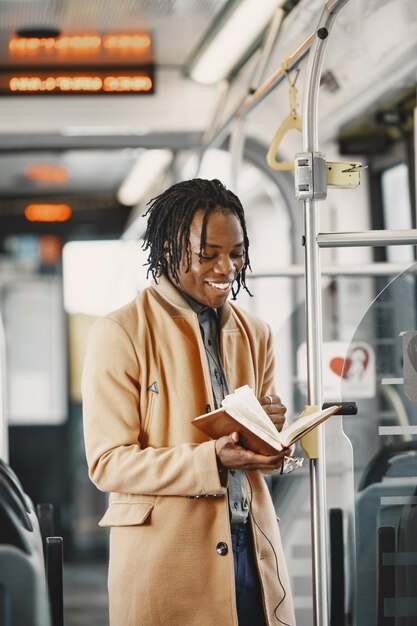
point(169, 218)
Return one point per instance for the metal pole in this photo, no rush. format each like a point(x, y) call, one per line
point(365, 270)
point(267, 47)
point(249, 103)
point(237, 136)
point(367, 238)
point(314, 320)
point(223, 89)
point(222, 94)
point(236, 148)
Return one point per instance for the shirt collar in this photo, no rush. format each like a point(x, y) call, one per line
point(183, 306)
point(196, 306)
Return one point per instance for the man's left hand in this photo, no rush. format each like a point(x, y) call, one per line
point(273, 406)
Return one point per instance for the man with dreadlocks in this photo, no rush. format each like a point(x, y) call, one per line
point(194, 539)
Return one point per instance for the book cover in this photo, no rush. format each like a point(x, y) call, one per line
point(241, 412)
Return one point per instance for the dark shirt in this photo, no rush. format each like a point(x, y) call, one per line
point(209, 327)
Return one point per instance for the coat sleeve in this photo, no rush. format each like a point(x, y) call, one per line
point(112, 425)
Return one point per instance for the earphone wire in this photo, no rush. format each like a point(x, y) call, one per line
point(273, 550)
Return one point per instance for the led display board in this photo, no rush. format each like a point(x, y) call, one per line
point(78, 81)
point(123, 49)
point(115, 63)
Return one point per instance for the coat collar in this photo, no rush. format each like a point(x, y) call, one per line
point(171, 294)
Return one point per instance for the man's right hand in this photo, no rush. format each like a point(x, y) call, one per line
point(232, 456)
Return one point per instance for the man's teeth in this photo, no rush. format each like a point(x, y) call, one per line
point(221, 286)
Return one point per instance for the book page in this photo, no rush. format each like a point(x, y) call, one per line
point(244, 402)
point(305, 423)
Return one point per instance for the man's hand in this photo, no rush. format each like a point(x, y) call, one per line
point(232, 456)
point(273, 406)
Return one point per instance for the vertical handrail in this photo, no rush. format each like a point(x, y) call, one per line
point(4, 438)
point(337, 568)
point(237, 136)
point(314, 319)
point(54, 577)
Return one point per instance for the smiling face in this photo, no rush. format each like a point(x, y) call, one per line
point(210, 276)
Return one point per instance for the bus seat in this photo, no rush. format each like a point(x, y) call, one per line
point(8, 495)
point(406, 575)
point(5, 613)
point(402, 465)
point(22, 576)
point(10, 477)
point(371, 514)
point(22, 568)
point(10, 480)
point(12, 532)
point(379, 466)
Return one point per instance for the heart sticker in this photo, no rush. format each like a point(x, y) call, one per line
point(337, 365)
point(354, 366)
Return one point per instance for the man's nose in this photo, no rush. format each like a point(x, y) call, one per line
point(225, 265)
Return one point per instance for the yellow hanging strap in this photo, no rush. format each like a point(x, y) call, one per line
point(291, 122)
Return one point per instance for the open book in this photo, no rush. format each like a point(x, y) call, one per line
point(242, 412)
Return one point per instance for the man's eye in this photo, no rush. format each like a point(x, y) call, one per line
point(238, 255)
point(207, 257)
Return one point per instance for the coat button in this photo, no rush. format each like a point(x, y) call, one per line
point(222, 548)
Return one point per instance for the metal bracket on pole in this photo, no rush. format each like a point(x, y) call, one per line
point(310, 176)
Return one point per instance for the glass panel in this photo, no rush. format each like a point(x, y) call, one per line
point(374, 347)
point(384, 444)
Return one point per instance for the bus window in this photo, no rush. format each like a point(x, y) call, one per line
point(397, 208)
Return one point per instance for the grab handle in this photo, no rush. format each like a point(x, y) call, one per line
point(291, 122)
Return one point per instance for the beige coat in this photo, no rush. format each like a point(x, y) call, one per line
point(145, 378)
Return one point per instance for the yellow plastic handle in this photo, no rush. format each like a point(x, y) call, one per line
point(310, 442)
point(291, 122)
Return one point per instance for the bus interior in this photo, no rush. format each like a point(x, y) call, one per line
point(306, 109)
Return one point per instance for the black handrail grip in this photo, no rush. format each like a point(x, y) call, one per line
point(54, 577)
point(337, 572)
point(386, 574)
point(346, 408)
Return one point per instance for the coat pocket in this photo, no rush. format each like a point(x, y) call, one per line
point(126, 514)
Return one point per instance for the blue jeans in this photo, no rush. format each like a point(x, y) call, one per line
point(248, 591)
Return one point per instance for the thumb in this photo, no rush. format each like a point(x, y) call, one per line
point(234, 437)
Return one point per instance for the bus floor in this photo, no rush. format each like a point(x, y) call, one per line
point(85, 594)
